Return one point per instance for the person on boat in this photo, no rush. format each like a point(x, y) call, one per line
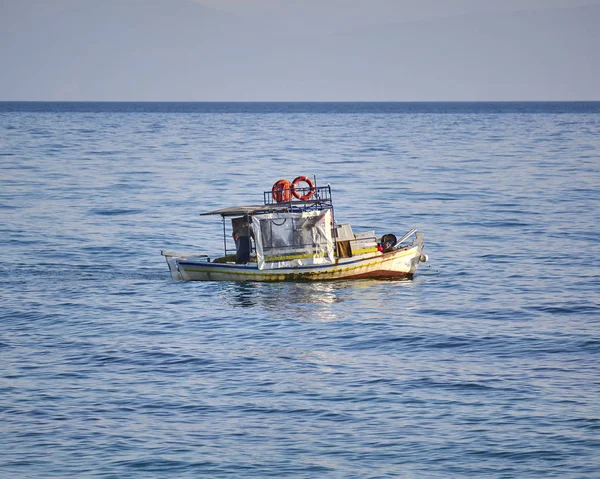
point(241, 235)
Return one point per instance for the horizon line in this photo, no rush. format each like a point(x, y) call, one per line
point(299, 101)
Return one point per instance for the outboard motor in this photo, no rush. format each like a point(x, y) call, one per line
point(388, 242)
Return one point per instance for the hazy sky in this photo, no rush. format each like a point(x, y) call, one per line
point(278, 50)
point(343, 13)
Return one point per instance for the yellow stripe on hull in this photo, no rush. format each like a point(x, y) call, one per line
point(396, 264)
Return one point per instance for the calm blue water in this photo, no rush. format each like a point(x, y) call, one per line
point(485, 365)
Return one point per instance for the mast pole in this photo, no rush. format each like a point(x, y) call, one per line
point(224, 238)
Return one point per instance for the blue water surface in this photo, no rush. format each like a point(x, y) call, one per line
point(484, 365)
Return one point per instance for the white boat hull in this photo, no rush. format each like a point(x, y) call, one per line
point(400, 263)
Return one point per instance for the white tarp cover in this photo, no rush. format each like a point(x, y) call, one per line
point(285, 240)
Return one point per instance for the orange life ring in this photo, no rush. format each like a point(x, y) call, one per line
point(310, 184)
point(282, 191)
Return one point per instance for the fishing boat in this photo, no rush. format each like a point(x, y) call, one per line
point(293, 236)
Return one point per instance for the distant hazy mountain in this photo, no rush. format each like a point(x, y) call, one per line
point(180, 50)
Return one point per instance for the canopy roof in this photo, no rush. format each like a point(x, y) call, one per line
point(319, 198)
point(247, 210)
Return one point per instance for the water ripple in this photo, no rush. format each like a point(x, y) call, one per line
point(484, 365)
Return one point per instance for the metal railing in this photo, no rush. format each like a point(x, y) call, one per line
point(321, 196)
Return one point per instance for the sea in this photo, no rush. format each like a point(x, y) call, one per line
point(485, 364)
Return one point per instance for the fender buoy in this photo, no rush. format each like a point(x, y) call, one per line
point(282, 191)
point(310, 184)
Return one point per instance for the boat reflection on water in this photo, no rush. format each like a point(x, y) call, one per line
point(270, 296)
point(324, 301)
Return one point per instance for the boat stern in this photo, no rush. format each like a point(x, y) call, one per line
point(173, 259)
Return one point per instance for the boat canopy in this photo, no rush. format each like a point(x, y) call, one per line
point(245, 210)
point(288, 240)
point(313, 198)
